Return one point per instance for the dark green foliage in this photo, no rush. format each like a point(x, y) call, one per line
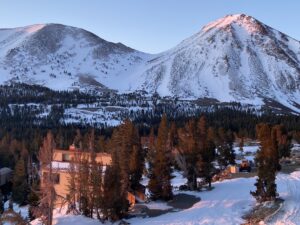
point(33, 201)
point(20, 186)
point(196, 152)
point(274, 144)
point(283, 140)
point(1, 203)
point(189, 155)
point(115, 204)
point(160, 174)
point(225, 152)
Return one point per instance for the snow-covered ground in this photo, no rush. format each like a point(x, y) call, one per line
point(248, 153)
point(225, 204)
point(289, 190)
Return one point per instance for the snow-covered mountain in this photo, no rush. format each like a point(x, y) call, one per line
point(63, 57)
point(236, 58)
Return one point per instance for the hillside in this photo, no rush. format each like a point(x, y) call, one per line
point(236, 58)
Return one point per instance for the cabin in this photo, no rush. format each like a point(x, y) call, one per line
point(61, 165)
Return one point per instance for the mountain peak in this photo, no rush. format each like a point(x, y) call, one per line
point(34, 28)
point(250, 24)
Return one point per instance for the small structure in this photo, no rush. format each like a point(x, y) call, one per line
point(5, 175)
point(245, 166)
point(233, 169)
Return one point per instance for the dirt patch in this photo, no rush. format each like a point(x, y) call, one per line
point(289, 168)
point(179, 202)
point(243, 175)
point(183, 201)
point(262, 212)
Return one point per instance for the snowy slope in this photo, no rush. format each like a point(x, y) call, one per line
point(63, 57)
point(236, 58)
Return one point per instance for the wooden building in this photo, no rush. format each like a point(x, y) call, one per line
point(61, 165)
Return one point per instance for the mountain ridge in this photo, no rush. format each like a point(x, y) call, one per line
point(235, 58)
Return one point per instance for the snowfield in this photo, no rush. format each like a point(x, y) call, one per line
point(289, 189)
point(225, 204)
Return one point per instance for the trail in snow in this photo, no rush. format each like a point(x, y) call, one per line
point(289, 189)
point(225, 204)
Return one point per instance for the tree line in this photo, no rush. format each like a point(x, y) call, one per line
point(194, 147)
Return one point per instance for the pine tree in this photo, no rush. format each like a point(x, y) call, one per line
point(160, 176)
point(226, 155)
point(115, 204)
point(72, 187)
point(151, 151)
point(268, 163)
point(20, 186)
point(207, 151)
point(97, 188)
point(126, 141)
point(196, 152)
point(283, 140)
point(188, 156)
point(47, 191)
point(84, 187)
point(33, 201)
point(1, 203)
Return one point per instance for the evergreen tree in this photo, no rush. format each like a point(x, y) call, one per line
point(196, 152)
point(126, 141)
point(97, 187)
point(1, 203)
point(188, 157)
point(151, 151)
point(20, 186)
point(160, 176)
point(47, 190)
point(268, 163)
point(33, 201)
point(72, 187)
point(115, 204)
point(207, 151)
point(225, 152)
point(84, 187)
point(283, 140)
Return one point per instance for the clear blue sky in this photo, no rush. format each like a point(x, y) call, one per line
point(147, 25)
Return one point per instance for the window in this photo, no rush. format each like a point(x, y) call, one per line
point(66, 157)
point(56, 178)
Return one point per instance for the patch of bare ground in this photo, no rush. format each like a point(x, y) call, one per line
point(262, 212)
point(180, 201)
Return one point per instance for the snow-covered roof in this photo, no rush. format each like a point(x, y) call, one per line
point(5, 170)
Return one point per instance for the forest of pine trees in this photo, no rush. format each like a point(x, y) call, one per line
point(192, 145)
